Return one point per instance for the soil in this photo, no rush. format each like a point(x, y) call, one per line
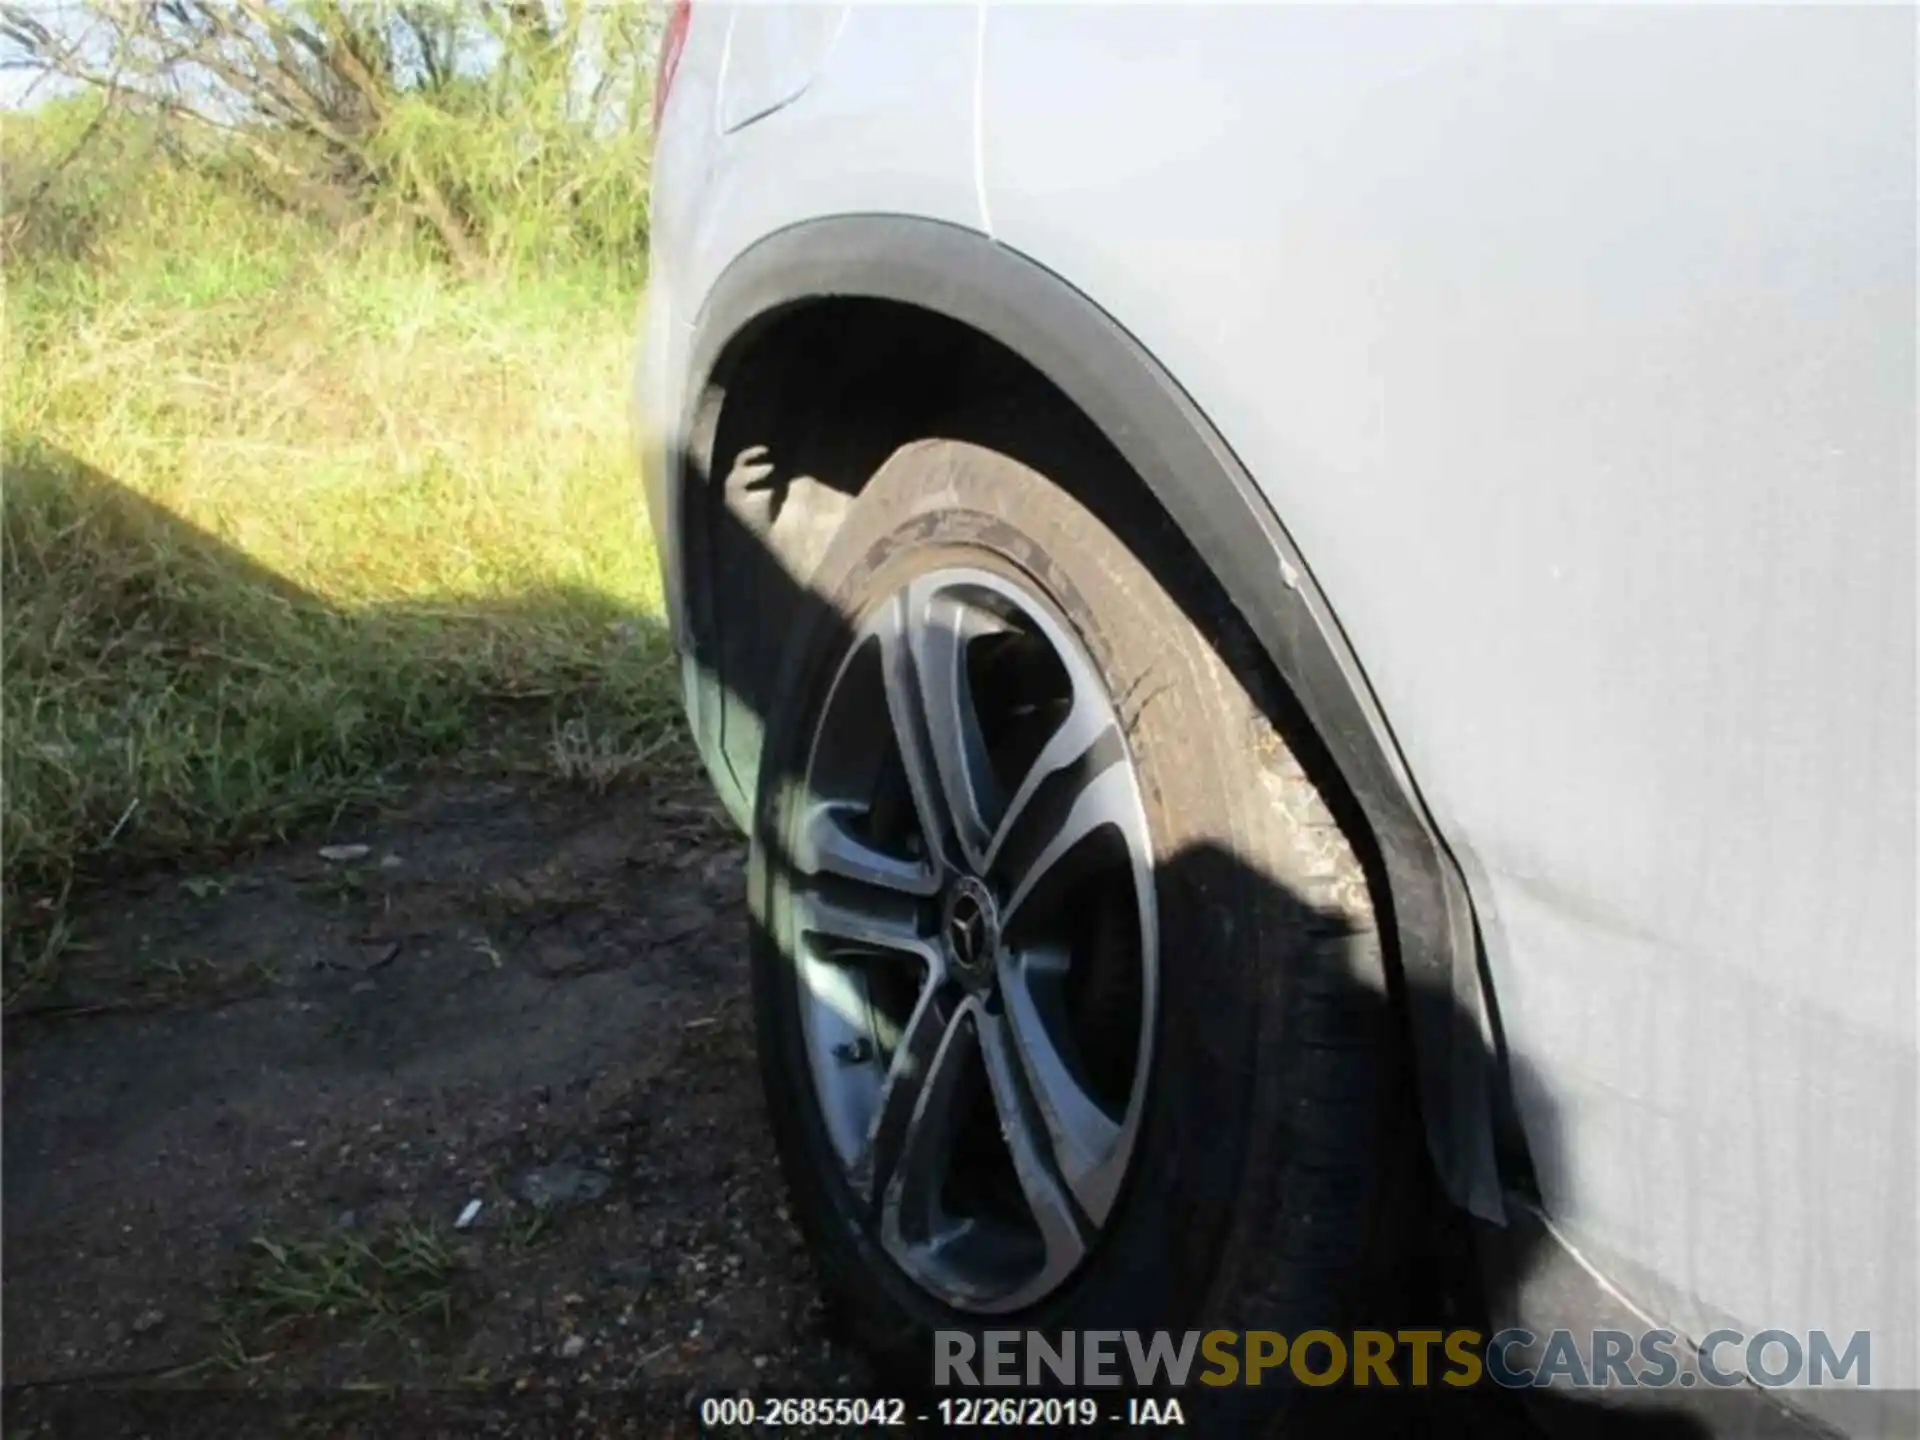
point(532, 999)
point(260, 1095)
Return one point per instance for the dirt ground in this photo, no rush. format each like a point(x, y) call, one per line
point(240, 1138)
point(454, 1130)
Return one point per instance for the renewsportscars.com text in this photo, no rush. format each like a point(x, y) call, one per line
point(1514, 1359)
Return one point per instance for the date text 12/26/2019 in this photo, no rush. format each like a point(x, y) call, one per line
point(719, 1412)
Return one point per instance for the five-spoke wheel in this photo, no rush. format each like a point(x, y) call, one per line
point(974, 919)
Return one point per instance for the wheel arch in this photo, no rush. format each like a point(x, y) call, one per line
point(806, 295)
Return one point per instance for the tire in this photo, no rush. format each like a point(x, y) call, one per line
point(1269, 1133)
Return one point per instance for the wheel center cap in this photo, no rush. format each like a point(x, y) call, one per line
point(970, 929)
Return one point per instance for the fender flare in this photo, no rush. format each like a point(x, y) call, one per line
point(1156, 427)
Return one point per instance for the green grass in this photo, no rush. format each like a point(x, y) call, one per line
point(378, 1283)
point(288, 512)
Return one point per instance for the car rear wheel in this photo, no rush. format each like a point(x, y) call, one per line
point(1071, 1006)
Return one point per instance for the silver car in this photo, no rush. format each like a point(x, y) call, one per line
point(1311, 614)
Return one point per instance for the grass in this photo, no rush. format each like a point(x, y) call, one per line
point(378, 1284)
point(289, 512)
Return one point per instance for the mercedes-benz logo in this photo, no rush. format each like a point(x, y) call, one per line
point(972, 926)
point(969, 931)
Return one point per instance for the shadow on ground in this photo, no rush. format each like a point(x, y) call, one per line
point(246, 1114)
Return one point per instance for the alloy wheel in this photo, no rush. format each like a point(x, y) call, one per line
point(974, 939)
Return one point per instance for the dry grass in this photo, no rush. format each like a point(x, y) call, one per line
point(286, 513)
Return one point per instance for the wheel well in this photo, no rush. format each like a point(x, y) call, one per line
point(804, 408)
point(814, 398)
point(823, 347)
point(811, 401)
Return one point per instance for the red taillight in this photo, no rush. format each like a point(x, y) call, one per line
point(671, 40)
